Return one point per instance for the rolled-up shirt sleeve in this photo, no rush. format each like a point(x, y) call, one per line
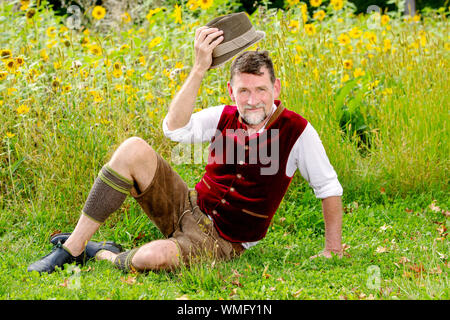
point(201, 126)
point(314, 165)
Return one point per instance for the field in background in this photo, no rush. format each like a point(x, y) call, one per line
point(375, 87)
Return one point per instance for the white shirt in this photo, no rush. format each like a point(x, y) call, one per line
point(307, 155)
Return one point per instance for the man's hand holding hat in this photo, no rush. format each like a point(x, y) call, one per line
point(206, 39)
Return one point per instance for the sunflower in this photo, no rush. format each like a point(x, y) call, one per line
point(355, 33)
point(205, 4)
point(315, 3)
point(51, 32)
point(358, 72)
point(10, 65)
point(348, 64)
point(310, 29)
point(98, 12)
point(126, 18)
point(154, 42)
point(293, 26)
point(344, 39)
point(384, 19)
point(23, 109)
point(319, 15)
point(95, 49)
point(337, 4)
point(19, 61)
point(5, 53)
point(3, 75)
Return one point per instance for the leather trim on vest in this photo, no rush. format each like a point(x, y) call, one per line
point(255, 214)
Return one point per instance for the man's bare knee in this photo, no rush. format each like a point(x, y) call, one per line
point(132, 153)
point(156, 255)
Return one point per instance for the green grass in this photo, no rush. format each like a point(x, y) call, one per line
point(51, 154)
point(413, 263)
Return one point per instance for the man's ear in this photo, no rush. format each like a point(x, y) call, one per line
point(276, 88)
point(230, 92)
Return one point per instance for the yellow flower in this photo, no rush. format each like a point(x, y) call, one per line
point(22, 109)
point(10, 65)
point(315, 3)
point(24, 4)
point(149, 97)
point(319, 15)
point(358, 72)
point(130, 72)
point(10, 135)
point(192, 4)
point(386, 45)
point(142, 61)
point(67, 87)
point(293, 26)
point(154, 42)
point(348, 64)
point(126, 18)
point(96, 96)
point(98, 12)
point(117, 73)
point(151, 13)
point(148, 76)
point(344, 39)
point(205, 4)
point(447, 46)
point(51, 32)
point(345, 78)
point(355, 33)
point(3, 75)
point(310, 29)
point(19, 61)
point(384, 19)
point(177, 14)
point(179, 65)
point(337, 4)
point(292, 3)
point(5, 53)
point(372, 37)
point(95, 49)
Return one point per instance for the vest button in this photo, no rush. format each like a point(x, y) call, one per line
point(214, 211)
point(241, 162)
point(223, 200)
point(239, 176)
point(246, 147)
point(232, 189)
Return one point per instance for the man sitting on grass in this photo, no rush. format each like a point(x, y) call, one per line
point(256, 147)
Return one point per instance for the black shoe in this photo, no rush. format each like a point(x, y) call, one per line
point(57, 258)
point(92, 247)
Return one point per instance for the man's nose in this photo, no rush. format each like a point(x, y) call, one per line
point(252, 100)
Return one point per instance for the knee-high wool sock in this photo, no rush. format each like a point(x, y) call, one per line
point(109, 191)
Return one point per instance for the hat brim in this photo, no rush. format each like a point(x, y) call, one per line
point(221, 60)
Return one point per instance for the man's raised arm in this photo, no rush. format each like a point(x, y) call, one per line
point(181, 107)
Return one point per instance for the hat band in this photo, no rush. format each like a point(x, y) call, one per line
point(234, 44)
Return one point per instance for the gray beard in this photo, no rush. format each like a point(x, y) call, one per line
point(254, 119)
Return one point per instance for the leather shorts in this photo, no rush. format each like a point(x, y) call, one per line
point(172, 206)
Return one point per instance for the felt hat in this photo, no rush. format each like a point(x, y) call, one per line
point(238, 34)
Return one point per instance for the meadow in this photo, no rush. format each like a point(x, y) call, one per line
point(374, 86)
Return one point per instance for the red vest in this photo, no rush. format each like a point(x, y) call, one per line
point(242, 188)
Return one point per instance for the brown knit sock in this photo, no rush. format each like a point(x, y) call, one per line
point(109, 191)
point(123, 260)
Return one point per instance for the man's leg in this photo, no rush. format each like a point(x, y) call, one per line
point(133, 164)
point(134, 160)
point(155, 255)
